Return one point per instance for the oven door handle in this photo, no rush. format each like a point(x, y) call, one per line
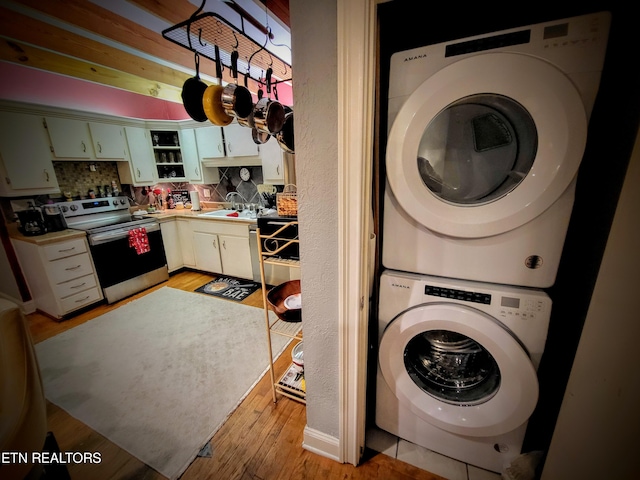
point(112, 235)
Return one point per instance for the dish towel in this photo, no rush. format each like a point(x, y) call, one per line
point(139, 240)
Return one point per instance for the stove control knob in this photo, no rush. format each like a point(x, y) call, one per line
point(122, 201)
point(115, 203)
point(63, 208)
point(73, 208)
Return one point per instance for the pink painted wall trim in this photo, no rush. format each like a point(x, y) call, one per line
point(29, 85)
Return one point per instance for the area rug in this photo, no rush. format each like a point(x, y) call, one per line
point(229, 288)
point(160, 375)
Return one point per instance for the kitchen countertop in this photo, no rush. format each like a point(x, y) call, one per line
point(47, 238)
point(163, 216)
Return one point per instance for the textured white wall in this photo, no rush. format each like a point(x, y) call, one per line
point(596, 435)
point(314, 45)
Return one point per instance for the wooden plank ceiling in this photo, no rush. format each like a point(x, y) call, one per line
point(26, 40)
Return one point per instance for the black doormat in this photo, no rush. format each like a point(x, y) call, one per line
point(230, 288)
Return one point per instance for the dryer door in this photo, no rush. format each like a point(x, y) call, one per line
point(486, 144)
point(458, 369)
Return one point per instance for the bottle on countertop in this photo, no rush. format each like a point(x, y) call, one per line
point(114, 188)
point(170, 201)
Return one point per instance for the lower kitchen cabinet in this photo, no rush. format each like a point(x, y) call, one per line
point(171, 241)
point(211, 246)
point(61, 275)
point(222, 247)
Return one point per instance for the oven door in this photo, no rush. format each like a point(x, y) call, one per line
point(117, 262)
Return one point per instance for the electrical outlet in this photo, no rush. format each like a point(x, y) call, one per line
point(207, 193)
point(92, 167)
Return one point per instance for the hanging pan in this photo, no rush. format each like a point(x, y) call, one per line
point(258, 137)
point(236, 99)
point(212, 98)
point(285, 136)
point(192, 92)
point(268, 115)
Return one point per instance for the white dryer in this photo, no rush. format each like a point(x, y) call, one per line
point(486, 137)
point(457, 364)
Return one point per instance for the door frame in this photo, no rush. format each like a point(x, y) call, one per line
point(356, 30)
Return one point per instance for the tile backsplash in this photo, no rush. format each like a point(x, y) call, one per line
point(78, 178)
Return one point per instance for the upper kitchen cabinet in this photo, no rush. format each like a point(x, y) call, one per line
point(69, 138)
point(108, 141)
point(168, 155)
point(194, 171)
point(272, 162)
point(141, 170)
point(77, 139)
point(210, 142)
point(23, 141)
point(238, 141)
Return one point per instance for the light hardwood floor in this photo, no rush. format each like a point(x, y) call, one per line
point(261, 440)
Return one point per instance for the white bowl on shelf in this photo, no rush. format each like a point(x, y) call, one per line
point(297, 355)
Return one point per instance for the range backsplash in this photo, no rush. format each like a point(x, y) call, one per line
point(77, 178)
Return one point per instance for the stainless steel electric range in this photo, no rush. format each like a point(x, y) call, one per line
point(122, 268)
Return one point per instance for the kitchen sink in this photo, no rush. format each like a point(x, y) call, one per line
point(224, 213)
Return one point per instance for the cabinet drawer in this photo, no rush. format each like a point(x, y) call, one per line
point(80, 300)
point(76, 285)
point(69, 268)
point(65, 249)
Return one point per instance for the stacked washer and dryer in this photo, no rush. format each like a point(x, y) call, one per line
point(486, 137)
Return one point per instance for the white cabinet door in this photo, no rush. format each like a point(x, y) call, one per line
point(209, 142)
point(142, 164)
point(186, 243)
point(190, 159)
point(26, 155)
point(235, 254)
point(272, 162)
point(108, 140)
point(70, 138)
point(238, 141)
point(206, 248)
point(171, 241)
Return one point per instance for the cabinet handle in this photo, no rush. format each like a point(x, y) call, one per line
point(84, 147)
point(62, 250)
point(197, 172)
point(99, 148)
point(278, 169)
point(229, 147)
point(82, 299)
point(220, 148)
point(214, 245)
point(73, 268)
point(78, 286)
point(138, 170)
point(224, 244)
point(46, 175)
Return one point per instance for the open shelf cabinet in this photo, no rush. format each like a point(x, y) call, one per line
point(290, 382)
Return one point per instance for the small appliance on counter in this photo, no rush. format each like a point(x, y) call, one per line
point(53, 219)
point(31, 223)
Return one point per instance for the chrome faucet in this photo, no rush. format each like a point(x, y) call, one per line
point(231, 197)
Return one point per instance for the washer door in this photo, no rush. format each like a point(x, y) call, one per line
point(486, 144)
point(458, 369)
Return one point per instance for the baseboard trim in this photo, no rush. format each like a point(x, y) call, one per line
point(321, 444)
point(27, 307)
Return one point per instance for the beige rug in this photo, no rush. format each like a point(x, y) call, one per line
point(160, 375)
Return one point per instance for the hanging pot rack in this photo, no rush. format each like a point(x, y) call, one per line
point(201, 32)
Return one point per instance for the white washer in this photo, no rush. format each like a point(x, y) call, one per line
point(486, 137)
point(457, 364)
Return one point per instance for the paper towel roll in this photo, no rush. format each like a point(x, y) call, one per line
point(195, 200)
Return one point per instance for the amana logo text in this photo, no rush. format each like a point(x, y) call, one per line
point(400, 286)
point(408, 59)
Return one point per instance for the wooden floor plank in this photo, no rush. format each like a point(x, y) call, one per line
point(260, 440)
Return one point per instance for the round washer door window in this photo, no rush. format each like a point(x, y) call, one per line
point(458, 369)
point(486, 144)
